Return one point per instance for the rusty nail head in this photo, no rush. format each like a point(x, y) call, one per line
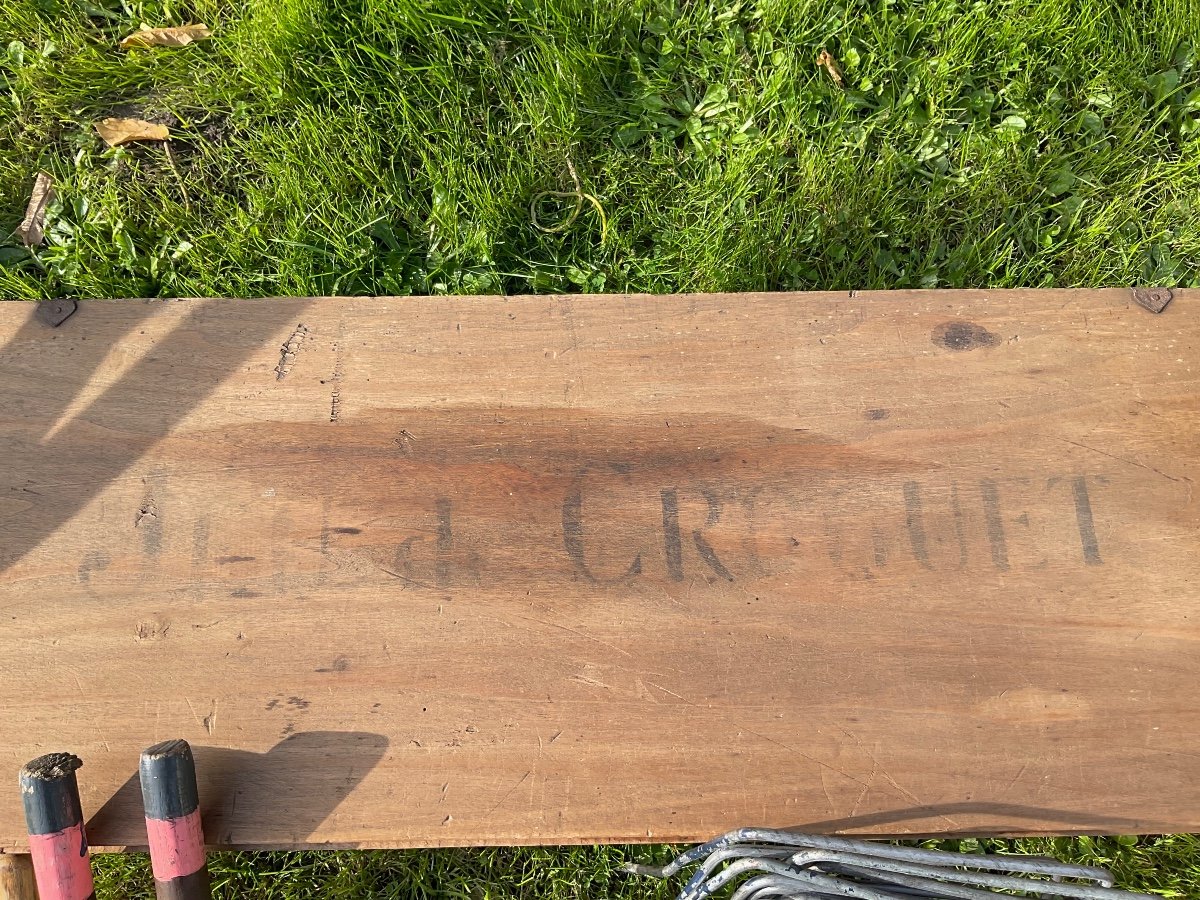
point(55, 312)
point(1153, 299)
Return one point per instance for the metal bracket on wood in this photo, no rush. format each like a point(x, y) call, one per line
point(1153, 299)
point(55, 312)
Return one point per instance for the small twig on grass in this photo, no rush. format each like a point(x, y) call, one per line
point(579, 196)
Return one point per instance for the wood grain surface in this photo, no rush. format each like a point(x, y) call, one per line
point(17, 881)
point(438, 571)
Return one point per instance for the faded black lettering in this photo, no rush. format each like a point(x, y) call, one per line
point(879, 548)
point(672, 544)
point(960, 531)
point(94, 561)
point(445, 542)
point(1087, 525)
point(200, 543)
point(710, 557)
point(572, 521)
point(833, 541)
point(914, 519)
point(323, 575)
point(995, 525)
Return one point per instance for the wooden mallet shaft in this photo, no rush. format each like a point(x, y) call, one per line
point(172, 806)
point(54, 816)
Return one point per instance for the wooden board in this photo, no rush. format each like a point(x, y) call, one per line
point(415, 572)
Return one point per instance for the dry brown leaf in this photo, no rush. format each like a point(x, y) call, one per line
point(826, 61)
point(123, 131)
point(166, 37)
point(30, 230)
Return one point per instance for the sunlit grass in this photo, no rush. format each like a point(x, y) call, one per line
point(395, 146)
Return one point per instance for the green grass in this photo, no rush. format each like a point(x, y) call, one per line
point(396, 146)
point(1169, 866)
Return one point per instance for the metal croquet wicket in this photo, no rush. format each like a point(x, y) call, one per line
point(792, 866)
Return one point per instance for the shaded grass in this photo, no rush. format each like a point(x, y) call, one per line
point(395, 146)
point(1169, 866)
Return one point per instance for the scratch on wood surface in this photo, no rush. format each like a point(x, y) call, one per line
point(866, 789)
point(210, 721)
point(791, 749)
point(672, 693)
point(403, 439)
point(592, 681)
point(405, 578)
point(825, 791)
point(1134, 462)
point(904, 792)
point(643, 692)
point(289, 351)
point(581, 634)
point(1021, 771)
point(509, 792)
point(195, 715)
point(152, 630)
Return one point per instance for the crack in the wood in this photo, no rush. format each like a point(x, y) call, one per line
point(147, 509)
point(335, 396)
point(289, 351)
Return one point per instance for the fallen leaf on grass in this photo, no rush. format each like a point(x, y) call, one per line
point(123, 131)
point(166, 37)
point(825, 60)
point(30, 230)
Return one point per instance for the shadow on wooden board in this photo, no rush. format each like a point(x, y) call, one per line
point(295, 786)
point(116, 428)
point(1018, 818)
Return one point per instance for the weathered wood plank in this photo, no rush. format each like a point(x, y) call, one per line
point(545, 569)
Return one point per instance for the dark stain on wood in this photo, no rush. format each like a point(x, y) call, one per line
point(959, 335)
